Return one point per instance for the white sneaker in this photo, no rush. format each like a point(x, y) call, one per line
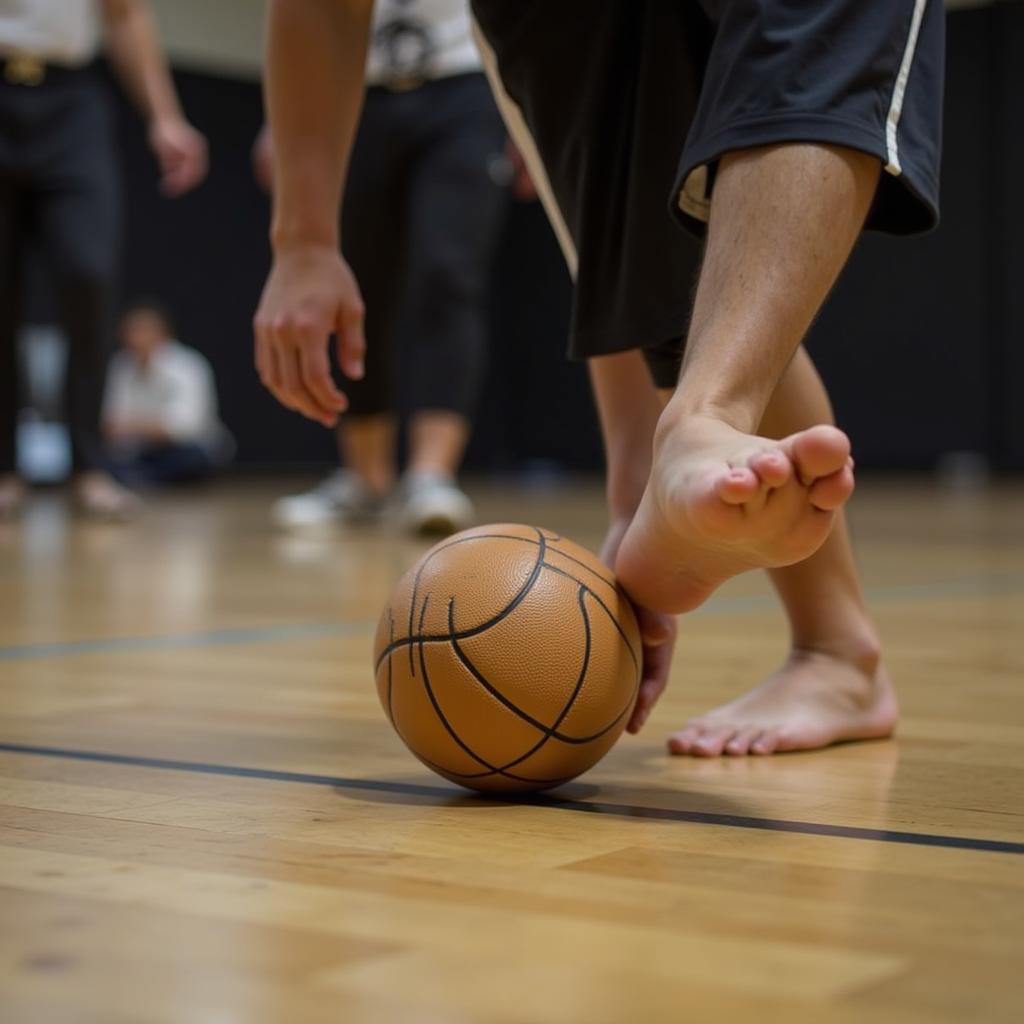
point(432, 503)
point(341, 496)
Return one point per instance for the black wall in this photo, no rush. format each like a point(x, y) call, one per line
point(921, 344)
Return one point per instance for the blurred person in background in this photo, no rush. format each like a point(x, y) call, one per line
point(160, 412)
point(421, 215)
point(60, 192)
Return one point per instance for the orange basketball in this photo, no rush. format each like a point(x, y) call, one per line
point(508, 659)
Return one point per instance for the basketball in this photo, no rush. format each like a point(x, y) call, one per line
point(508, 659)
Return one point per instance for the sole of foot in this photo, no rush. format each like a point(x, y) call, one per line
point(720, 502)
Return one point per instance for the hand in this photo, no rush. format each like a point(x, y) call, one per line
point(657, 641)
point(180, 152)
point(309, 295)
point(263, 159)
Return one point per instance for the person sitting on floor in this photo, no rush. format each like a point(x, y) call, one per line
point(160, 414)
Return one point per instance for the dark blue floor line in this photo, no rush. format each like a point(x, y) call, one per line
point(553, 801)
point(970, 586)
point(186, 641)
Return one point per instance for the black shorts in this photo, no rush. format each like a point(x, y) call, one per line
point(618, 104)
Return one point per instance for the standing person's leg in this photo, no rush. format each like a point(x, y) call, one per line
point(12, 256)
point(833, 686)
point(373, 234)
point(455, 211)
point(77, 190)
point(374, 237)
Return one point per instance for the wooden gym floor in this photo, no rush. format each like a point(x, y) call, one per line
point(204, 816)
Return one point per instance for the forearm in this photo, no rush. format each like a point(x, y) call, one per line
point(628, 406)
point(315, 79)
point(134, 50)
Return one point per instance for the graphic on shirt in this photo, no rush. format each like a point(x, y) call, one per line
point(403, 42)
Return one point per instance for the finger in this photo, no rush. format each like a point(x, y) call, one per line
point(657, 661)
point(288, 377)
point(645, 698)
point(277, 385)
point(316, 376)
point(351, 341)
point(261, 359)
point(656, 628)
point(294, 385)
point(264, 364)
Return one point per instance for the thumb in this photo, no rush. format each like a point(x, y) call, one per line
point(656, 628)
point(351, 342)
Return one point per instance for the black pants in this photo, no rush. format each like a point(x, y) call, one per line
point(172, 463)
point(419, 225)
point(59, 193)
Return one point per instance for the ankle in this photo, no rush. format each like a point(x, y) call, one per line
point(859, 647)
point(683, 413)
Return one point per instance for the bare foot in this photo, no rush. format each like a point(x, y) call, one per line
point(100, 496)
point(720, 502)
point(815, 699)
point(12, 495)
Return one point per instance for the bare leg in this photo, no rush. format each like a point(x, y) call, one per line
point(367, 447)
point(720, 499)
point(12, 495)
point(833, 686)
point(437, 440)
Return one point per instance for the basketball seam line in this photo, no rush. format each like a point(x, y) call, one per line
point(525, 715)
point(493, 769)
point(548, 731)
point(444, 547)
point(414, 639)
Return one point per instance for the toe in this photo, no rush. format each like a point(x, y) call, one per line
point(818, 452)
point(737, 486)
point(712, 742)
point(765, 743)
point(831, 492)
point(682, 742)
point(740, 743)
point(772, 467)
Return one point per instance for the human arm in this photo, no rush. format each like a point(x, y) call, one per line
point(315, 79)
point(628, 406)
point(136, 56)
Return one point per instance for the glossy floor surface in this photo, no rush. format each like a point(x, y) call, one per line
point(205, 816)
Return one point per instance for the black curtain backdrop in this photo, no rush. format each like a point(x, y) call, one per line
point(921, 343)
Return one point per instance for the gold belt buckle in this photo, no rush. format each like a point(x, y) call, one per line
point(24, 69)
point(405, 82)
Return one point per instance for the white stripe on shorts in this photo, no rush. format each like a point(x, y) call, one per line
point(892, 122)
point(520, 132)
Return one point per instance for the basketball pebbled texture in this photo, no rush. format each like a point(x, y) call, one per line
point(508, 659)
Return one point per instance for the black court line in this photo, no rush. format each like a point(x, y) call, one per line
point(810, 828)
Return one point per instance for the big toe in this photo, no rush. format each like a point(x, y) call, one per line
point(818, 452)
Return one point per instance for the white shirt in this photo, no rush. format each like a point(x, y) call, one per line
point(56, 31)
point(176, 389)
point(420, 39)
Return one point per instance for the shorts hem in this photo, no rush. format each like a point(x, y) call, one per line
point(674, 322)
point(690, 201)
